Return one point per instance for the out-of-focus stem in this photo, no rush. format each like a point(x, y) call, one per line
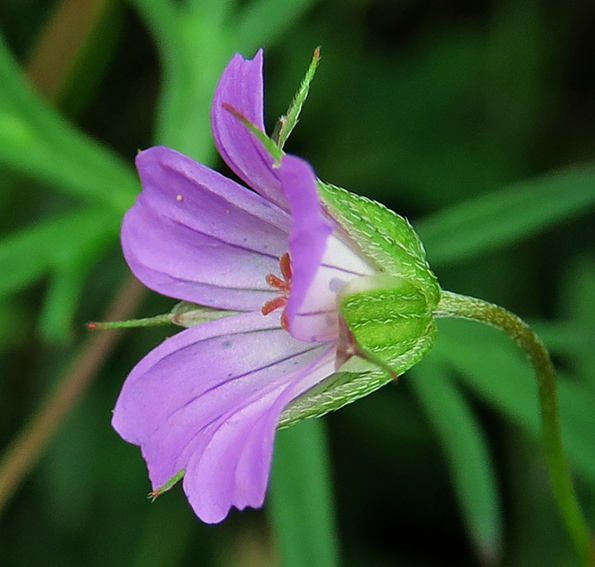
point(30, 443)
point(460, 306)
point(61, 43)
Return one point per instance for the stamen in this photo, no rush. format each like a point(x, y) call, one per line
point(284, 286)
point(272, 304)
point(285, 264)
point(276, 282)
point(284, 321)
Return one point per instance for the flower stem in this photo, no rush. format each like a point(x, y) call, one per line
point(460, 306)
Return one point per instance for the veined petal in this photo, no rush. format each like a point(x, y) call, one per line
point(321, 262)
point(195, 235)
point(200, 391)
point(317, 318)
point(233, 469)
point(241, 87)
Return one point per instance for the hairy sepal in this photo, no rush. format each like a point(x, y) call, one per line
point(345, 387)
point(186, 314)
point(389, 320)
point(389, 316)
point(382, 235)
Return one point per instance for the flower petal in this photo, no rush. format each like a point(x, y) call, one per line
point(195, 235)
point(233, 469)
point(199, 397)
point(241, 87)
point(317, 317)
point(310, 231)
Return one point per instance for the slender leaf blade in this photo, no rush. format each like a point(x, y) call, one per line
point(301, 506)
point(37, 142)
point(30, 253)
point(467, 454)
point(477, 226)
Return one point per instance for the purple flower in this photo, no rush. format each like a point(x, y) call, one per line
point(207, 400)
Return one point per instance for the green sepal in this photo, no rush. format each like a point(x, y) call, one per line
point(186, 314)
point(168, 485)
point(393, 328)
point(333, 393)
point(269, 145)
point(343, 388)
point(289, 121)
point(383, 236)
point(388, 318)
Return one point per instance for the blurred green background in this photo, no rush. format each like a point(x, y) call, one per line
point(475, 119)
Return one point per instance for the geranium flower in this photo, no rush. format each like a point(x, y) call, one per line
point(207, 401)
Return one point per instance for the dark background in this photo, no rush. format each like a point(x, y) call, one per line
point(427, 106)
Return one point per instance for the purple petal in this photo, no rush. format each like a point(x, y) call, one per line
point(233, 470)
point(317, 317)
point(241, 87)
point(310, 231)
point(195, 235)
point(203, 397)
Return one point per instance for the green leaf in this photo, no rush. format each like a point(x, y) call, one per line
point(475, 227)
point(32, 252)
point(38, 143)
point(197, 54)
point(467, 454)
point(62, 297)
point(578, 298)
point(301, 508)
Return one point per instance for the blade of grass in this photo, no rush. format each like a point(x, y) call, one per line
point(301, 507)
point(38, 143)
point(492, 221)
point(466, 451)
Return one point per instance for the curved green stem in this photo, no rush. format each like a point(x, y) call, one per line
point(460, 306)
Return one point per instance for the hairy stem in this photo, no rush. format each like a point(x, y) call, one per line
point(460, 306)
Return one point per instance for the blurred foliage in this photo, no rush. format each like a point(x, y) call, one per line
point(474, 119)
